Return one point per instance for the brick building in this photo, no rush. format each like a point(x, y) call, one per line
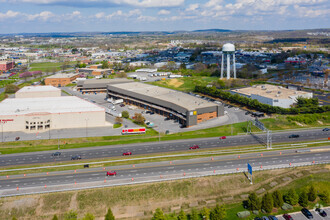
point(6, 65)
point(61, 79)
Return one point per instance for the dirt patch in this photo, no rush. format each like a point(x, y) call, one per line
point(175, 82)
point(21, 203)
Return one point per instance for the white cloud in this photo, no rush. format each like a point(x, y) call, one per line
point(311, 13)
point(44, 16)
point(192, 7)
point(136, 3)
point(9, 14)
point(164, 12)
point(146, 18)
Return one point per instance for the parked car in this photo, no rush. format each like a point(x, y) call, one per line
point(76, 157)
point(325, 129)
point(122, 105)
point(151, 113)
point(111, 173)
point(127, 153)
point(294, 136)
point(321, 212)
point(287, 217)
point(167, 119)
point(17, 138)
point(307, 213)
point(223, 137)
point(195, 146)
point(56, 154)
point(271, 217)
point(257, 218)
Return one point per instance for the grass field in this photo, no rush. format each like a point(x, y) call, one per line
point(139, 201)
point(46, 66)
point(186, 84)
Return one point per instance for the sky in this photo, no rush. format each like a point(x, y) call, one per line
point(42, 16)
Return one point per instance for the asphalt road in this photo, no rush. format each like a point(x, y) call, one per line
point(150, 170)
point(157, 147)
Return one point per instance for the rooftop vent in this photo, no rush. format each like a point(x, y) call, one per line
point(279, 92)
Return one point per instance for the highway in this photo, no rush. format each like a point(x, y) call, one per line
point(196, 167)
point(157, 147)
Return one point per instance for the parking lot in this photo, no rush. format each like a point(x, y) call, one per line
point(233, 115)
point(300, 216)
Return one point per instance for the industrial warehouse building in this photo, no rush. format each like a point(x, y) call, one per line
point(38, 114)
point(188, 110)
point(272, 95)
point(98, 85)
point(38, 92)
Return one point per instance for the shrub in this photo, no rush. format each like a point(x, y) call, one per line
point(125, 114)
point(303, 199)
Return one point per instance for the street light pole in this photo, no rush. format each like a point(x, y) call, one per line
point(86, 119)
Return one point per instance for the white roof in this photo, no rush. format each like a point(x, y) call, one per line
point(38, 89)
point(228, 47)
point(65, 104)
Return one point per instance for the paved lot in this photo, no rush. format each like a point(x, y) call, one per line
point(300, 216)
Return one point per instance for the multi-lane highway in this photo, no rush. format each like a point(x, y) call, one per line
point(157, 147)
point(165, 168)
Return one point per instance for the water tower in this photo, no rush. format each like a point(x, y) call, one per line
point(228, 50)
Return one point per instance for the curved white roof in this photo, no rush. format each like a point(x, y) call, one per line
point(228, 48)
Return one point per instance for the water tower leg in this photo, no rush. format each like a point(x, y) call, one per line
point(234, 65)
point(228, 66)
point(222, 57)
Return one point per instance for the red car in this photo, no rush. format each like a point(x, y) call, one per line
point(127, 153)
point(223, 137)
point(194, 147)
point(287, 217)
point(111, 173)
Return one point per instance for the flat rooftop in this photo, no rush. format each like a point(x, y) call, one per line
point(181, 99)
point(62, 75)
point(91, 83)
point(38, 89)
point(270, 91)
point(64, 104)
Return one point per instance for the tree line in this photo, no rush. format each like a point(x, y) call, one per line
point(256, 105)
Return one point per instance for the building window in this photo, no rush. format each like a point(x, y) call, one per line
point(26, 122)
point(40, 127)
point(47, 126)
point(27, 127)
point(275, 100)
point(33, 128)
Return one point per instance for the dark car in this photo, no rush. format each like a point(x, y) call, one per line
point(151, 113)
point(56, 154)
point(294, 136)
point(287, 217)
point(127, 153)
point(271, 217)
point(122, 105)
point(307, 213)
point(194, 147)
point(111, 173)
point(76, 157)
point(257, 218)
point(167, 119)
point(325, 129)
point(148, 112)
point(265, 218)
point(321, 212)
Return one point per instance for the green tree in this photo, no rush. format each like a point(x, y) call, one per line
point(71, 215)
point(218, 213)
point(277, 199)
point(312, 194)
point(194, 214)
point(109, 215)
point(11, 88)
point(125, 114)
point(325, 197)
point(88, 216)
point(253, 202)
point(303, 199)
point(55, 217)
point(105, 64)
point(182, 215)
point(14, 218)
point(158, 215)
point(267, 203)
point(205, 213)
point(291, 197)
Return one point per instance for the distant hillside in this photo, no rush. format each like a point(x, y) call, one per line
point(212, 30)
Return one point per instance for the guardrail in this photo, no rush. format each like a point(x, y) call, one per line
point(131, 181)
